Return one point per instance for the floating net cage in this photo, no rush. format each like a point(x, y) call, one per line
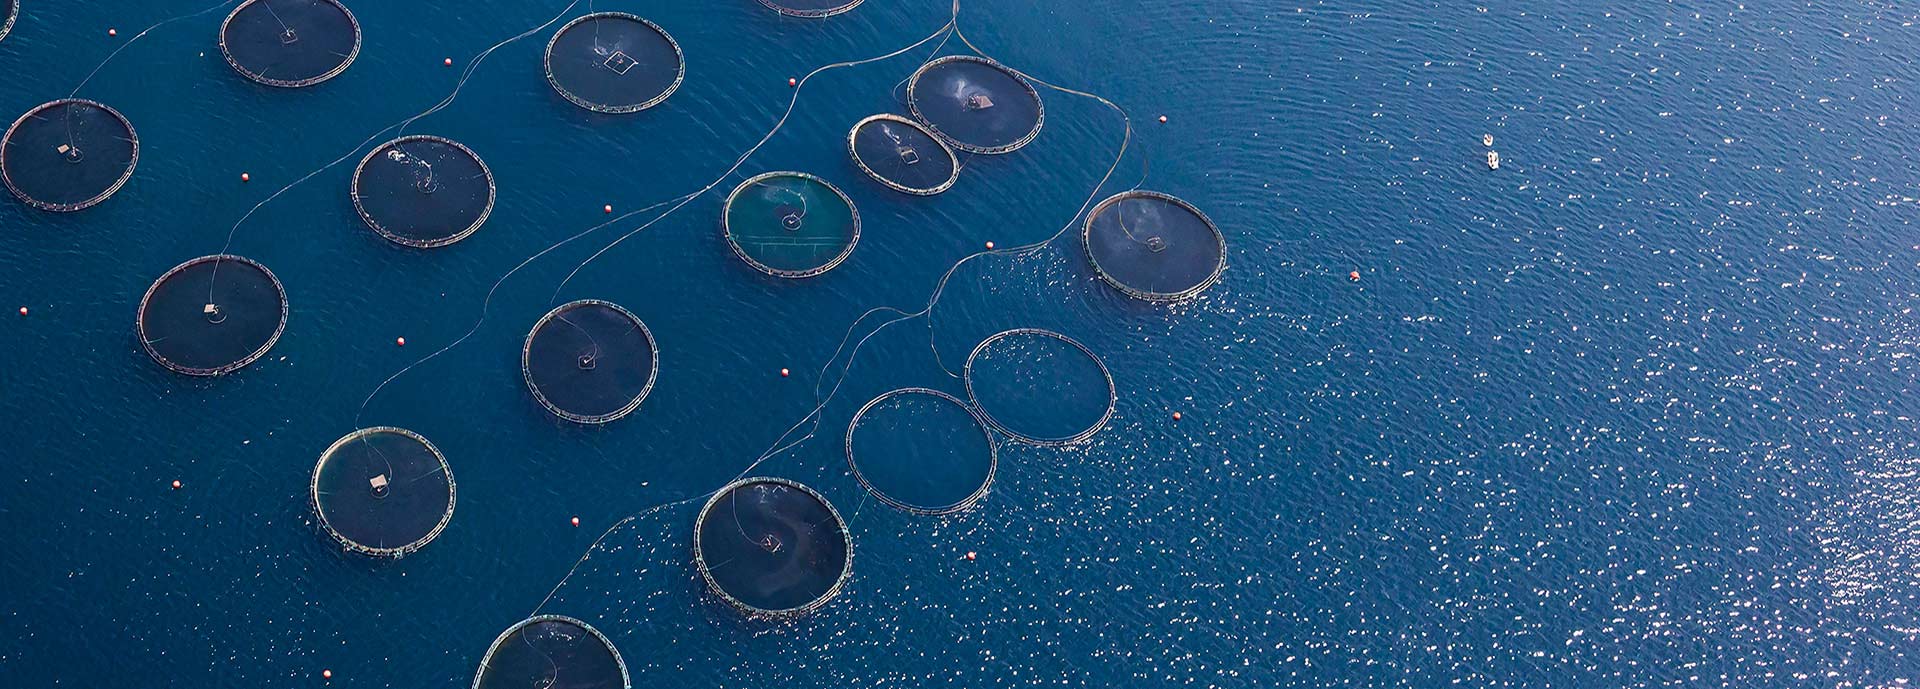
point(68, 155)
point(590, 361)
point(922, 451)
point(975, 104)
point(552, 652)
point(811, 8)
point(212, 315)
point(1040, 387)
point(384, 492)
point(1154, 246)
point(423, 191)
point(772, 547)
point(790, 224)
point(9, 11)
point(903, 155)
point(290, 43)
point(614, 62)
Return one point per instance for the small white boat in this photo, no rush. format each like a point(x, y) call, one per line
point(1493, 160)
point(1486, 139)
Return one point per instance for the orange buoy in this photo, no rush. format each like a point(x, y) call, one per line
point(970, 556)
point(244, 177)
point(23, 310)
point(1163, 119)
point(449, 62)
point(1354, 276)
point(989, 246)
point(792, 81)
point(326, 674)
point(1176, 416)
point(400, 342)
point(784, 373)
point(576, 521)
point(176, 484)
point(608, 208)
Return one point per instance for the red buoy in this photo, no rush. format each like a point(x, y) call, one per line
point(23, 310)
point(793, 82)
point(1163, 119)
point(784, 373)
point(326, 674)
point(244, 177)
point(449, 62)
point(576, 521)
point(113, 32)
point(1354, 276)
point(176, 484)
point(609, 208)
point(1176, 416)
point(970, 556)
point(989, 246)
point(399, 342)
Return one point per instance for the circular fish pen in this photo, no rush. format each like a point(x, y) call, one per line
point(382, 492)
point(1040, 387)
point(790, 224)
point(1154, 246)
point(68, 155)
point(903, 155)
point(785, 549)
point(9, 11)
point(921, 451)
point(590, 361)
point(212, 315)
point(975, 104)
point(423, 191)
point(614, 62)
point(290, 43)
point(551, 652)
point(811, 9)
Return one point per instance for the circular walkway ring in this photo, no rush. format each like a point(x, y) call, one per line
point(1086, 242)
point(913, 104)
point(313, 495)
point(141, 324)
point(713, 585)
point(7, 177)
point(1113, 397)
point(679, 77)
point(945, 148)
point(347, 60)
point(993, 455)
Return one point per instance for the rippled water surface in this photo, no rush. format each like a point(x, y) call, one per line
point(1635, 410)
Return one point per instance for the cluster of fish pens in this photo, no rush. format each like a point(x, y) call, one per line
point(388, 492)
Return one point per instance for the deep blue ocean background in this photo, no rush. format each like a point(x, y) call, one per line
point(1636, 410)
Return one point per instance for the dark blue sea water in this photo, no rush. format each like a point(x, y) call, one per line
point(1635, 410)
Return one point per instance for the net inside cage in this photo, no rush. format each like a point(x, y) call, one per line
point(590, 361)
point(423, 191)
point(383, 491)
point(922, 451)
point(614, 62)
point(551, 652)
point(68, 155)
point(975, 104)
point(1040, 387)
point(790, 224)
point(772, 547)
point(290, 43)
point(212, 315)
point(811, 8)
point(903, 155)
point(1154, 246)
point(9, 12)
